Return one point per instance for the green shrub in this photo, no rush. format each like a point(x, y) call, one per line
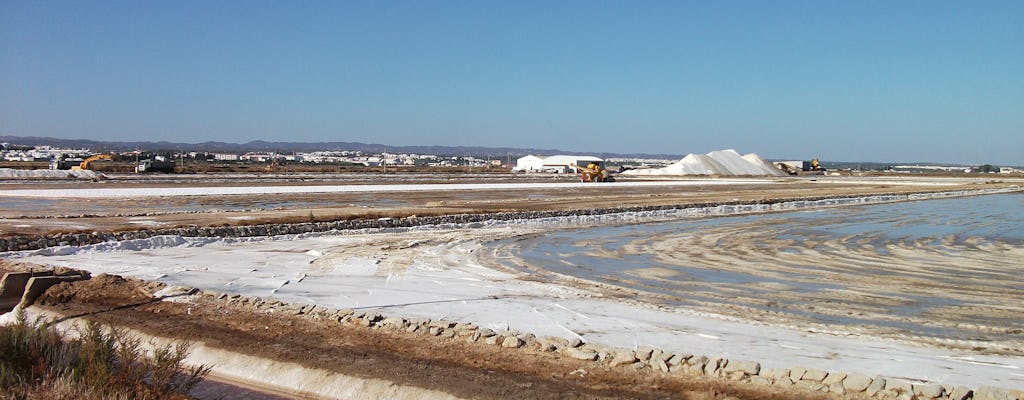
point(37, 362)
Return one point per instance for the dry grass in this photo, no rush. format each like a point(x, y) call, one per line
point(37, 362)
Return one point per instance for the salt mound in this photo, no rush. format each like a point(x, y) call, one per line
point(719, 163)
point(695, 164)
point(734, 163)
point(49, 173)
point(766, 166)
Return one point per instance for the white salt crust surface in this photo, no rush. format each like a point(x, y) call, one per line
point(435, 273)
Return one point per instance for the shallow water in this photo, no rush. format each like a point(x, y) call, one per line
point(948, 268)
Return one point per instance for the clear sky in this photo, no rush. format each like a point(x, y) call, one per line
point(842, 80)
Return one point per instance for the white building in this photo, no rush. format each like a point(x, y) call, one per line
point(567, 164)
point(529, 164)
point(559, 164)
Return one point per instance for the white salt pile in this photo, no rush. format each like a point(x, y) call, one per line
point(719, 162)
point(49, 173)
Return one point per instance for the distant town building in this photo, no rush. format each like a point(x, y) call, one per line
point(225, 156)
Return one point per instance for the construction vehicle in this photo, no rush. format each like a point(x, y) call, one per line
point(87, 163)
point(60, 162)
point(593, 172)
point(812, 167)
point(156, 164)
point(815, 165)
point(273, 166)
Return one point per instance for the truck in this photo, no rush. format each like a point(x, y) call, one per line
point(157, 164)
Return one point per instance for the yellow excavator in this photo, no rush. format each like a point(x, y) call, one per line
point(593, 172)
point(274, 165)
point(87, 163)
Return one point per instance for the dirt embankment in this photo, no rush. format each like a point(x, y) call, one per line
point(451, 365)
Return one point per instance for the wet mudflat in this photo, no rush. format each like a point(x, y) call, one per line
point(932, 270)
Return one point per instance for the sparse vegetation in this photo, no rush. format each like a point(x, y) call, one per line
point(37, 362)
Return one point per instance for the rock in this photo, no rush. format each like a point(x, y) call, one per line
point(512, 342)
point(485, 332)
point(447, 334)
point(575, 342)
point(175, 291)
point(810, 385)
point(993, 393)
point(960, 393)
point(394, 322)
point(877, 385)
point(434, 331)
point(623, 357)
point(746, 367)
point(814, 375)
point(492, 340)
point(712, 366)
point(697, 361)
point(856, 382)
point(580, 354)
point(554, 341)
point(928, 390)
point(644, 353)
point(656, 354)
point(660, 364)
point(898, 386)
point(834, 378)
point(527, 337)
point(695, 370)
point(760, 380)
point(776, 374)
point(796, 374)
point(675, 360)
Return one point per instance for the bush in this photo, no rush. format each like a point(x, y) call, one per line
point(37, 362)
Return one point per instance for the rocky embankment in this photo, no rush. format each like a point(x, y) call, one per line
point(649, 359)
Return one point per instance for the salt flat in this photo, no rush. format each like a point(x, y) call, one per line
point(433, 272)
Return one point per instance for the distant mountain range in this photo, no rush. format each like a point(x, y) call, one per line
point(289, 147)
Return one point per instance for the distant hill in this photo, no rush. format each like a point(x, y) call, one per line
point(289, 147)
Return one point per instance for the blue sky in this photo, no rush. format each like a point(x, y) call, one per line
point(841, 80)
